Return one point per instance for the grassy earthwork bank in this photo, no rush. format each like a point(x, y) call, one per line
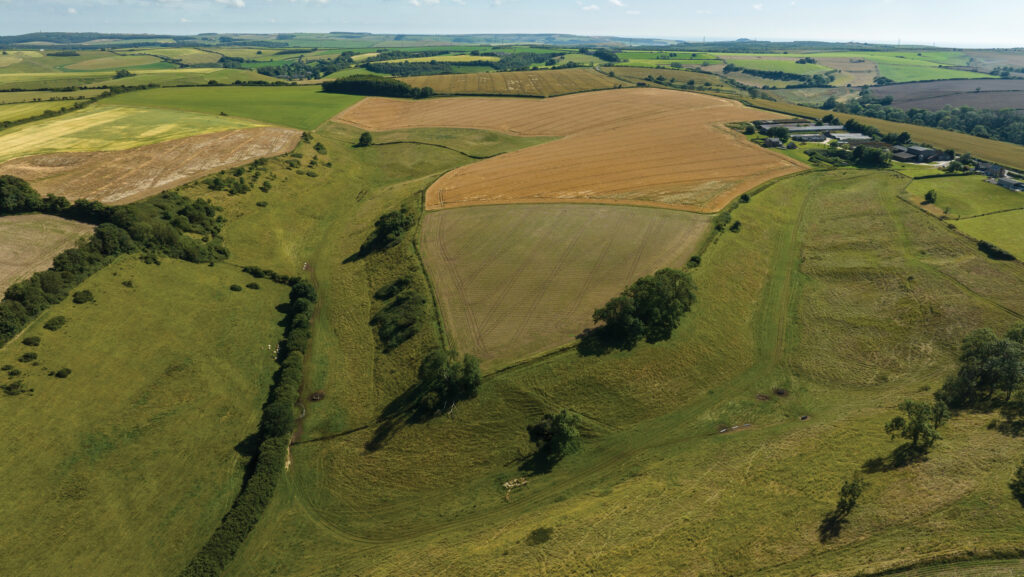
point(145, 436)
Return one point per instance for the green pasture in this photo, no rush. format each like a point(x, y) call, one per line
point(966, 196)
point(304, 107)
point(187, 77)
point(46, 96)
point(139, 442)
point(787, 66)
point(477, 143)
point(789, 308)
point(1001, 229)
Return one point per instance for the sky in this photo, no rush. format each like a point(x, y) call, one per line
point(981, 23)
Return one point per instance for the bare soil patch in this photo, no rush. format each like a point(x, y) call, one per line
point(124, 176)
point(646, 147)
point(28, 243)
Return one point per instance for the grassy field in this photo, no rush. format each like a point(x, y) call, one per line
point(531, 83)
point(187, 77)
point(968, 196)
point(13, 112)
point(1002, 229)
point(1003, 153)
point(911, 66)
point(811, 298)
point(788, 66)
point(189, 56)
point(704, 82)
point(110, 128)
point(44, 95)
point(117, 63)
point(139, 442)
point(31, 241)
point(514, 281)
point(448, 58)
point(303, 107)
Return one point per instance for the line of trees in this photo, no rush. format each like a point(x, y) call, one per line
point(273, 437)
point(167, 224)
point(366, 85)
point(1006, 125)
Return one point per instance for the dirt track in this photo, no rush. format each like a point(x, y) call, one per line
point(121, 177)
point(634, 146)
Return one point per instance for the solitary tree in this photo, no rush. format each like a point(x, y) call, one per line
point(988, 365)
point(833, 523)
point(365, 139)
point(930, 197)
point(651, 308)
point(556, 436)
point(919, 423)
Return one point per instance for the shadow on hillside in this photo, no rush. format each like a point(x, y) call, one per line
point(403, 411)
point(539, 463)
point(831, 526)
point(905, 454)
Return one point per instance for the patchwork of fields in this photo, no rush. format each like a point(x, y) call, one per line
point(643, 147)
point(526, 83)
point(994, 94)
point(513, 281)
point(118, 177)
point(110, 128)
point(30, 241)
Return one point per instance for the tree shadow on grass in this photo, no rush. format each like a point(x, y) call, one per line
point(539, 463)
point(599, 341)
point(831, 526)
point(905, 454)
point(1012, 424)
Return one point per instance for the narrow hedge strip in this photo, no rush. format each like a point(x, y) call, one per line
point(276, 426)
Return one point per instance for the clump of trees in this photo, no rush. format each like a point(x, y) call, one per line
point(365, 139)
point(556, 437)
point(388, 230)
point(649, 309)
point(444, 380)
point(833, 522)
point(919, 424)
point(400, 318)
point(991, 370)
point(367, 85)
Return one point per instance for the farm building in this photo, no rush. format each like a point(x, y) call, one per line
point(1011, 184)
point(923, 154)
point(904, 157)
point(803, 127)
point(809, 137)
point(990, 170)
point(772, 143)
point(850, 136)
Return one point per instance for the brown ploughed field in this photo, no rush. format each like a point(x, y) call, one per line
point(648, 147)
point(124, 176)
point(30, 241)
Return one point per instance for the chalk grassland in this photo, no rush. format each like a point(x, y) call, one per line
point(139, 442)
point(118, 62)
point(118, 177)
point(514, 281)
point(994, 93)
point(788, 66)
point(811, 297)
point(965, 197)
point(644, 147)
point(815, 97)
point(911, 66)
point(190, 56)
point(30, 241)
point(1003, 153)
point(303, 107)
point(186, 77)
point(855, 71)
point(14, 112)
point(110, 128)
point(524, 83)
point(1002, 229)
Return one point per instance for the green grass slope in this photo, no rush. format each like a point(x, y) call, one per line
point(128, 464)
point(967, 196)
point(303, 107)
point(835, 301)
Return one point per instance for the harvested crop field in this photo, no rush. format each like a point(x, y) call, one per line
point(513, 281)
point(994, 94)
point(110, 128)
point(125, 176)
point(646, 147)
point(523, 83)
point(30, 241)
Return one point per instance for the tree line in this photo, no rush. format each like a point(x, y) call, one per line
point(273, 436)
point(166, 224)
point(366, 85)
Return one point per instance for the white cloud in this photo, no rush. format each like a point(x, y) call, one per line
point(232, 3)
point(424, 2)
point(185, 20)
point(591, 7)
point(758, 6)
point(618, 3)
point(72, 11)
